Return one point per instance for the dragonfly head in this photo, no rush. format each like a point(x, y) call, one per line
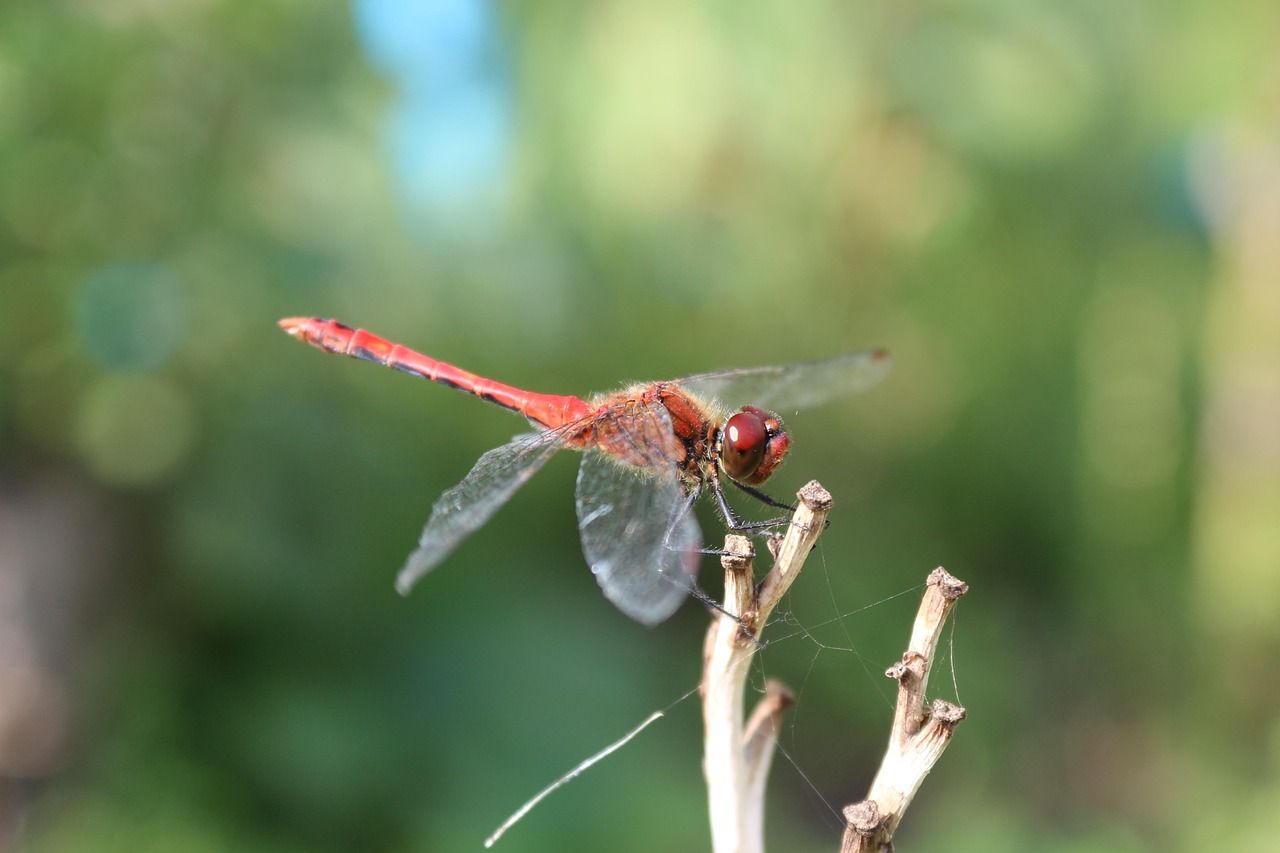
point(752, 444)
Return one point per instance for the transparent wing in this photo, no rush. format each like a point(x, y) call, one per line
point(789, 387)
point(463, 509)
point(638, 535)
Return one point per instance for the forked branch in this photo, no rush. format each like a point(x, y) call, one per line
point(737, 755)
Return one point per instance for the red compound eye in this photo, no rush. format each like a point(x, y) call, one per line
point(743, 445)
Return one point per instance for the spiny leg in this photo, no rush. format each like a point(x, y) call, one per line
point(763, 498)
point(681, 509)
point(734, 522)
point(766, 499)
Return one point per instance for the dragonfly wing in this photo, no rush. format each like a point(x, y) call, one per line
point(790, 387)
point(638, 533)
point(463, 509)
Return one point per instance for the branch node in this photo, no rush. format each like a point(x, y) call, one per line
point(946, 713)
point(911, 667)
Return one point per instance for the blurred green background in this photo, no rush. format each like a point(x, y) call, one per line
point(1061, 218)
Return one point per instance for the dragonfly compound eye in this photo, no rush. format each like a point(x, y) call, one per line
point(753, 445)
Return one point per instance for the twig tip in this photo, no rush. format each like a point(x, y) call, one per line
point(864, 817)
point(814, 496)
point(779, 693)
point(738, 552)
point(948, 584)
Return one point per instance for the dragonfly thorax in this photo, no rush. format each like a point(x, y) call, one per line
point(752, 443)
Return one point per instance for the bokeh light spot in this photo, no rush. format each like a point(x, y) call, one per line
point(1132, 435)
point(131, 316)
point(1019, 92)
point(134, 430)
point(447, 135)
point(441, 39)
point(448, 151)
point(1132, 428)
point(652, 105)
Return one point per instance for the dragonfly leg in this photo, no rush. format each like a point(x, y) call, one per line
point(763, 498)
point(732, 519)
point(680, 511)
point(766, 499)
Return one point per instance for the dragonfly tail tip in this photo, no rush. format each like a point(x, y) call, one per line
point(293, 325)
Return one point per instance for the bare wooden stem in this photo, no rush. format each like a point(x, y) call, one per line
point(759, 740)
point(920, 734)
point(736, 757)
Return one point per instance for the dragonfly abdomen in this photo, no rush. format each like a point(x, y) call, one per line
point(548, 410)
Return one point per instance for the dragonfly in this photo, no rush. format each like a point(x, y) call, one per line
point(650, 450)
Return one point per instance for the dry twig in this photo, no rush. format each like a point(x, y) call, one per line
point(737, 756)
point(919, 734)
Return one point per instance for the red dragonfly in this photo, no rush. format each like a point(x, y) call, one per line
point(649, 451)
